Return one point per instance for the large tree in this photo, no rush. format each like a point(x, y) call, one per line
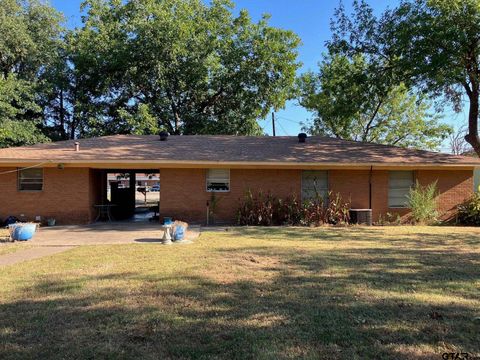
point(437, 43)
point(30, 33)
point(196, 68)
point(351, 101)
point(430, 45)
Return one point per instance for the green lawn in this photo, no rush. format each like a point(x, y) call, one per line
point(258, 293)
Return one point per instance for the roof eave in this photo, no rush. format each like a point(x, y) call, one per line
point(146, 164)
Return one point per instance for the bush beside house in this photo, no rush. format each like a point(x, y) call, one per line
point(265, 209)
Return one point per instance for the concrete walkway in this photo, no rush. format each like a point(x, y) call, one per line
point(52, 240)
point(32, 253)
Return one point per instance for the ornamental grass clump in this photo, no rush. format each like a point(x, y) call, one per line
point(422, 201)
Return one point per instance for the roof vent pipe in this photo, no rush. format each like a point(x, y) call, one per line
point(302, 137)
point(163, 135)
point(77, 146)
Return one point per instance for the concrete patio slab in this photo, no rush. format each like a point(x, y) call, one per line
point(104, 233)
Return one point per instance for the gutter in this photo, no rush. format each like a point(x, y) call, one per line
point(207, 162)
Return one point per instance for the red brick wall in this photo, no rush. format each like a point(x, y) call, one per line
point(65, 196)
point(69, 194)
point(380, 196)
point(183, 192)
point(454, 188)
point(353, 186)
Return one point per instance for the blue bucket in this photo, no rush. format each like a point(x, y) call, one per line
point(167, 221)
point(179, 233)
point(22, 232)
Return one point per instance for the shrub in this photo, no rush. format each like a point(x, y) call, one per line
point(256, 210)
point(469, 212)
point(389, 219)
point(289, 211)
point(313, 213)
point(423, 203)
point(266, 209)
point(337, 211)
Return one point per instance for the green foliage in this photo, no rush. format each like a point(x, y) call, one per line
point(441, 39)
point(430, 45)
point(267, 210)
point(17, 99)
point(423, 203)
point(142, 122)
point(469, 212)
point(138, 67)
point(20, 113)
point(198, 68)
point(18, 133)
point(29, 36)
point(351, 102)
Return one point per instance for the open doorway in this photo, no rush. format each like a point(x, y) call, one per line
point(147, 196)
point(134, 195)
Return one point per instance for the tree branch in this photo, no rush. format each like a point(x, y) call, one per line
point(372, 118)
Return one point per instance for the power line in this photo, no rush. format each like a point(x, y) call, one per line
point(291, 120)
point(26, 168)
point(265, 126)
point(281, 127)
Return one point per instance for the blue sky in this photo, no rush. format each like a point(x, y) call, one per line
point(310, 19)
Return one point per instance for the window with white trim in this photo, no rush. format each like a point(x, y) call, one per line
point(314, 185)
point(218, 180)
point(399, 185)
point(30, 179)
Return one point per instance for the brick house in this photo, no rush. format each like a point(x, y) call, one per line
point(66, 179)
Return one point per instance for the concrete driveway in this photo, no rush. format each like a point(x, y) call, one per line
point(104, 233)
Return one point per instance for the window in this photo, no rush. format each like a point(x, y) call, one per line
point(399, 184)
point(30, 179)
point(218, 180)
point(314, 185)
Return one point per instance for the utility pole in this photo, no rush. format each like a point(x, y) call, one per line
point(273, 123)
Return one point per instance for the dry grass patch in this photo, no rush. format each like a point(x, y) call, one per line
point(251, 293)
point(8, 247)
point(4, 234)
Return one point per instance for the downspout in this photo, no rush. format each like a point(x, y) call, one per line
point(370, 188)
point(208, 213)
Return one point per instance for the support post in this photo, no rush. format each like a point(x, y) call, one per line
point(273, 123)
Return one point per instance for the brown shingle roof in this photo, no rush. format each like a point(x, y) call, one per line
point(199, 148)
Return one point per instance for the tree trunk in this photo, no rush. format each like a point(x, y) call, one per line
point(62, 116)
point(176, 115)
point(472, 137)
point(177, 122)
point(73, 126)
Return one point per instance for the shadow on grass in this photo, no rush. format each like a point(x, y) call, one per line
point(278, 303)
point(149, 240)
point(355, 233)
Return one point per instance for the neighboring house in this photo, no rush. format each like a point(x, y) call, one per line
point(148, 180)
point(64, 181)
